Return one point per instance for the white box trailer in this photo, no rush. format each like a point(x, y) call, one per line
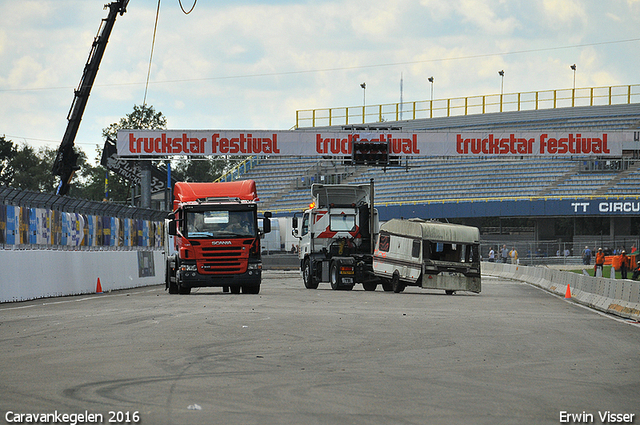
point(428, 254)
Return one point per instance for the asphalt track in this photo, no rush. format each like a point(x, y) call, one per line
point(510, 355)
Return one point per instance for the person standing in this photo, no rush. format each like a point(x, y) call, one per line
point(623, 264)
point(599, 262)
point(514, 255)
point(586, 256)
point(492, 255)
point(505, 254)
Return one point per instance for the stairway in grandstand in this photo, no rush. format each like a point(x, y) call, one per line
point(284, 183)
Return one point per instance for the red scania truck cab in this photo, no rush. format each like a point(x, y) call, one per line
point(216, 238)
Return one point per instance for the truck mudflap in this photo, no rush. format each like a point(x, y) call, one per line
point(451, 282)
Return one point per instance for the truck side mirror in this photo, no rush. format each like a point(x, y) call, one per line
point(172, 228)
point(266, 222)
point(294, 227)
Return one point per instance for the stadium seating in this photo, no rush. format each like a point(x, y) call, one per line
point(283, 183)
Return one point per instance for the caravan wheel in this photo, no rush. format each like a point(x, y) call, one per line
point(396, 284)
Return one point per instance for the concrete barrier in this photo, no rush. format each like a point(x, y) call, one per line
point(619, 297)
point(31, 274)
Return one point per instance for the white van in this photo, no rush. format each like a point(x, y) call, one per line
point(428, 254)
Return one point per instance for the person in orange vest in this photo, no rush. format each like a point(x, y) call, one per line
point(599, 262)
point(624, 265)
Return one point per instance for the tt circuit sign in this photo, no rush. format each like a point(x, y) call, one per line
point(605, 207)
point(160, 143)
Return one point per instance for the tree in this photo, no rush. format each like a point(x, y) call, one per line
point(143, 116)
point(7, 152)
point(204, 170)
point(31, 169)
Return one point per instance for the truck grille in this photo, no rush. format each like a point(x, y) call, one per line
point(223, 260)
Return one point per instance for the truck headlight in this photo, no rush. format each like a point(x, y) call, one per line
point(189, 267)
point(255, 266)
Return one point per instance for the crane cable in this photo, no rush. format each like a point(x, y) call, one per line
point(153, 43)
point(190, 10)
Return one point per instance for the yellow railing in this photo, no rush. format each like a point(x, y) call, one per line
point(486, 199)
point(238, 170)
point(547, 99)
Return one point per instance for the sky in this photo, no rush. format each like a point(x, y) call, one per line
point(251, 64)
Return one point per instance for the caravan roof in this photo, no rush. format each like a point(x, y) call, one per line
point(432, 230)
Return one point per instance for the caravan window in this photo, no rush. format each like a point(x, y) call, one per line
point(451, 252)
point(441, 251)
point(415, 249)
point(384, 243)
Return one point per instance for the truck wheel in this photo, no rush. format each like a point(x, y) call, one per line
point(336, 281)
point(173, 288)
point(449, 291)
point(370, 286)
point(386, 285)
point(333, 276)
point(183, 290)
point(396, 284)
point(251, 289)
point(310, 281)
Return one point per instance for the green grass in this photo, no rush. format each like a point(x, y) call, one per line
point(606, 271)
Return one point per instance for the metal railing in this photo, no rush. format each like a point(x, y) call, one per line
point(459, 106)
point(34, 220)
point(238, 170)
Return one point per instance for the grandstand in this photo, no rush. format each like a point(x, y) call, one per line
point(596, 195)
point(284, 182)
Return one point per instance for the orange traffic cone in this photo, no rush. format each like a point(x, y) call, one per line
point(99, 287)
point(568, 293)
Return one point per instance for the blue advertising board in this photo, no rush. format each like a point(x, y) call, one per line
point(536, 207)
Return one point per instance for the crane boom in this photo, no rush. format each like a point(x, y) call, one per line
point(65, 163)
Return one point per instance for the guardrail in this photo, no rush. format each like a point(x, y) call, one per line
point(481, 104)
point(620, 297)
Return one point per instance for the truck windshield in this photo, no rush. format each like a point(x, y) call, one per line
point(221, 224)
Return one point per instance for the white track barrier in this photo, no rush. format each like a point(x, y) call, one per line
point(32, 274)
point(619, 297)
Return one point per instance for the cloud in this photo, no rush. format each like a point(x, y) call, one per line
point(246, 64)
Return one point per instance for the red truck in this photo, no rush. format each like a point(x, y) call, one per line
point(213, 239)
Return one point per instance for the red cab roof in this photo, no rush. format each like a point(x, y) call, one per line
point(242, 189)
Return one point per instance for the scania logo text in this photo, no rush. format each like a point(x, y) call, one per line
point(221, 243)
